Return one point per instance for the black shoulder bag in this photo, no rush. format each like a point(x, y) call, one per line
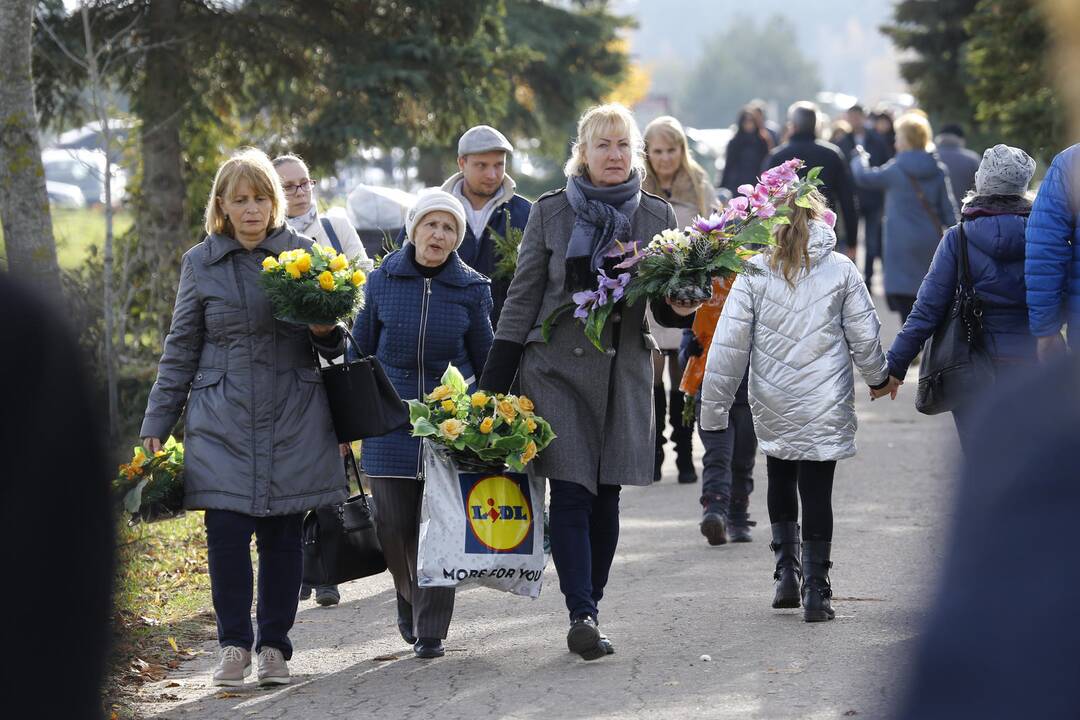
point(339, 541)
point(363, 401)
point(955, 364)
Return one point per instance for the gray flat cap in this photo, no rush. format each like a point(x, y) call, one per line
point(481, 139)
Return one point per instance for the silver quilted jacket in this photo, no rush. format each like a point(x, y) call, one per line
point(804, 340)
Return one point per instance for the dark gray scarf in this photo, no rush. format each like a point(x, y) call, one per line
point(602, 219)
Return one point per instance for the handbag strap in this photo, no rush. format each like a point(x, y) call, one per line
point(350, 461)
point(930, 212)
point(349, 337)
point(965, 265)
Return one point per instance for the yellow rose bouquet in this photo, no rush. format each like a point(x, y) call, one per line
point(480, 430)
point(151, 488)
point(319, 287)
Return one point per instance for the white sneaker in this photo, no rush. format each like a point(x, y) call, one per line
point(234, 666)
point(272, 667)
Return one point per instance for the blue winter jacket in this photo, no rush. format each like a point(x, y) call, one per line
point(1052, 267)
point(417, 326)
point(996, 259)
point(911, 235)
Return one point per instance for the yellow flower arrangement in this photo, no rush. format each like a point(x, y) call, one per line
point(525, 405)
point(477, 437)
point(315, 285)
point(152, 487)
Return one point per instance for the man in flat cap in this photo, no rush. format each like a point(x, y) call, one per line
point(491, 205)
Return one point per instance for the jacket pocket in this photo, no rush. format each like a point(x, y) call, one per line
point(206, 377)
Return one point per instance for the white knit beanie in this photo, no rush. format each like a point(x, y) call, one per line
point(1004, 170)
point(431, 200)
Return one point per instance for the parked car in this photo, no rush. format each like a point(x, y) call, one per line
point(65, 195)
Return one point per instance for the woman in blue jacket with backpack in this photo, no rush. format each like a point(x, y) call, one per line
point(994, 219)
point(424, 308)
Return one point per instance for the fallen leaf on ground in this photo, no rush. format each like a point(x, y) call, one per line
point(173, 684)
point(227, 695)
point(172, 644)
point(849, 713)
point(384, 658)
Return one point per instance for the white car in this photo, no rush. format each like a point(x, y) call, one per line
point(65, 195)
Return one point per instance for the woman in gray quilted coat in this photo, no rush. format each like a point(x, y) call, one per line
point(807, 314)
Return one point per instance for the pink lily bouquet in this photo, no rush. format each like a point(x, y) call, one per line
point(680, 264)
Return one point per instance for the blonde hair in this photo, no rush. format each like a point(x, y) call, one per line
point(598, 120)
point(914, 128)
point(672, 130)
point(254, 166)
point(791, 256)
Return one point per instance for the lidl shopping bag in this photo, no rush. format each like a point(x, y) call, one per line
point(476, 527)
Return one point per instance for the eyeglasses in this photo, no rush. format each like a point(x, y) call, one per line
point(306, 186)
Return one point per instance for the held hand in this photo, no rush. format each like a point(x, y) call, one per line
point(321, 330)
point(890, 389)
point(343, 448)
point(151, 444)
point(1050, 347)
point(682, 307)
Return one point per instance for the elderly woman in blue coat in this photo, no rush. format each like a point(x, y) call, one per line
point(424, 309)
point(994, 220)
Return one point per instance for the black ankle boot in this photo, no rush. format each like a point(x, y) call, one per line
point(816, 590)
point(428, 648)
point(785, 547)
point(405, 620)
point(660, 408)
point(584, 638)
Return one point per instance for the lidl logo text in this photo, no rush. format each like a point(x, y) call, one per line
point(498, 509)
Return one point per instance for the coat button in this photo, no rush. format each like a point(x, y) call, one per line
point(199, 376)
point(578, 352)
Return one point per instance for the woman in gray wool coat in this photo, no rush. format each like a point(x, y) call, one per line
point(259, 444)
point(598, 403)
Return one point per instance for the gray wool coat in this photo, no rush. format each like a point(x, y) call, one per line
point(600, 405)
point(258, 438)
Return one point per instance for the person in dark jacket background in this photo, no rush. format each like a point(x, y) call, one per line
point(745, 153)
point(837, 187)
point(994, 219)
point(871, 202)
point(1052, 265)
point(424, 309)
point(1001, 637)
point(961, 162)
point(488, 195)
point(918, 206)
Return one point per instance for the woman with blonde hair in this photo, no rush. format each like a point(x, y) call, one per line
point(673, 174)
point(259, 443)
point(807, 315)
point(597, 402)
point(919, 206)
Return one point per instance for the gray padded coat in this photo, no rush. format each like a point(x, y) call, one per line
point(258, 438)
point(804, 339)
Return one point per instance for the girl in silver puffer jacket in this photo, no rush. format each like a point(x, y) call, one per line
point(807, 314)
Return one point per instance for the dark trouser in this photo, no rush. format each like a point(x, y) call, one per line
point(727, 474)
point(397, 523)
point(790, 480)
point(901, 304)
point(584, 535)
point(871, 240)
point(228, 539)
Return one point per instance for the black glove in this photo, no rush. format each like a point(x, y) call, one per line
point(501, 366)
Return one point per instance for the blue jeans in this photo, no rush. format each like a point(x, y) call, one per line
point(584, 535)
point(727, 472)
point(228, 539)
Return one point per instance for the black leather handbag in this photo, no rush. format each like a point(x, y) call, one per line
point(339, 541)
point(955, 363)
point(363, 401)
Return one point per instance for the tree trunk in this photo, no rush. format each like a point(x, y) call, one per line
point(24, 204)
point(162, 222)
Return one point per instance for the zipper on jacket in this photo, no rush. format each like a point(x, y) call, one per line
point(251, 351)
point(425, 303)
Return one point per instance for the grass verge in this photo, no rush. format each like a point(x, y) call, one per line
point(161, 607)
